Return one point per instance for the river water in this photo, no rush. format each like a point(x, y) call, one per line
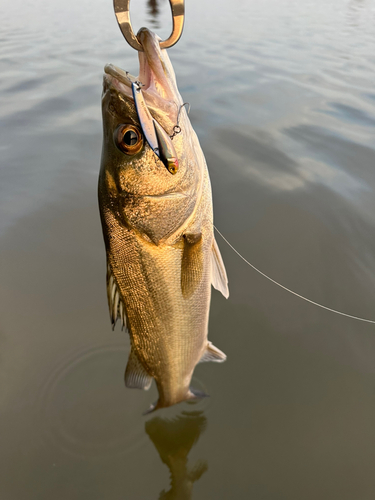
point(283, 100)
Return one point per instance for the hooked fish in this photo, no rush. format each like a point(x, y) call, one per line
point(156, 210)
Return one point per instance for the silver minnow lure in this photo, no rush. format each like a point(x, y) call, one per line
point(157, 138)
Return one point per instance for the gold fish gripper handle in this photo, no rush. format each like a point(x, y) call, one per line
point(123, 18)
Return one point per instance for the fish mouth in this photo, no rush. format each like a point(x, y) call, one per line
point(156, 76)
point(168, 195)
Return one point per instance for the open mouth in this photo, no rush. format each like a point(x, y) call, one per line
point(156, 76)
point(154, 88)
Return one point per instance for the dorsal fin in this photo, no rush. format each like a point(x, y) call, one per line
point(219, 274)
point(212, 353)
point(136, 376)
point(115, 303)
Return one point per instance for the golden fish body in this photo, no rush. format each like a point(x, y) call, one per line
point(158, 232)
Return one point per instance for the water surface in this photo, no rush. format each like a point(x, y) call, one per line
point(282, 98)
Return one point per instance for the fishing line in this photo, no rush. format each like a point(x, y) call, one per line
point(291, 291)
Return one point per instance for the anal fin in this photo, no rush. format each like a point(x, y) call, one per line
point(136, 376)
point(212, 353)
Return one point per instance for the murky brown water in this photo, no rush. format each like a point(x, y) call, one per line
point(282, 97)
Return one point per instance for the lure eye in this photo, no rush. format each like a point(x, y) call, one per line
point(128, 139)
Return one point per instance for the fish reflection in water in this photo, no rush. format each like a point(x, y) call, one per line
point(173, 440)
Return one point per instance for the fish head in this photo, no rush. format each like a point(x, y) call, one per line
point(134, 182)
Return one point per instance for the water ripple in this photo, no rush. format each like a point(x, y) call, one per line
point(84, 416)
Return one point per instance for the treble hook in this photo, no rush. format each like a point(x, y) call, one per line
point(123, 18)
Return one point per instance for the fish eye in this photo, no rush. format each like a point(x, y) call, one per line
point(128, 139)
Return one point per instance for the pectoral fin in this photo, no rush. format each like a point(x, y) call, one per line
point(192, 264)
point(136, 376)
point(212, 353)
point(195, 394)
point(219, 274)
point(152, 408)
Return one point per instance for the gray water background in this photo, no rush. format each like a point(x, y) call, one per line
point(283, 100)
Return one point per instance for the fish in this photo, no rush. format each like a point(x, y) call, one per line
point(162, 257)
